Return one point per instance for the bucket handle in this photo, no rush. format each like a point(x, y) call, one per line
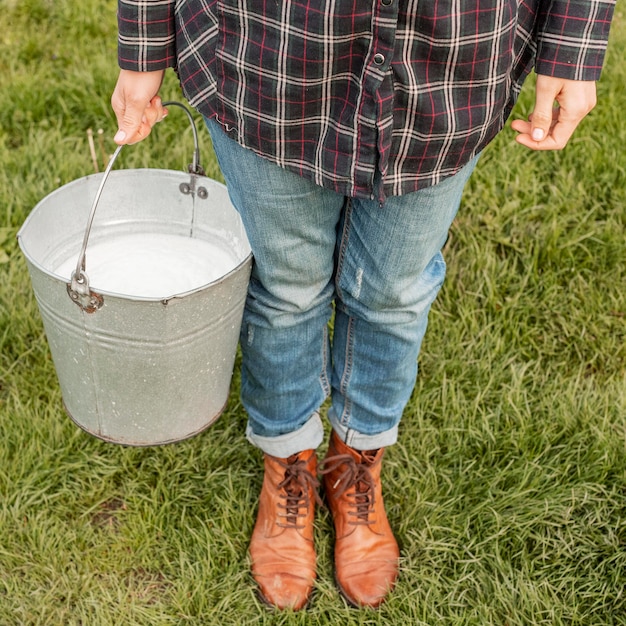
point(78, 288)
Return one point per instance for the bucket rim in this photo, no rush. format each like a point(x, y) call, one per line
point(117, 174)
point(163, 299)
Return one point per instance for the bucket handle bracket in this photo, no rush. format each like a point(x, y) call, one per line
point(191, 189)
point(78, 290)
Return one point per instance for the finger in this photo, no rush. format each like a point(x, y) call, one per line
point(543, 113)
point(155, 111)
point(562, 131)
point(131, 133)
point(132, 124)
point(525, 127)
point(525, 138)
point(141, 133)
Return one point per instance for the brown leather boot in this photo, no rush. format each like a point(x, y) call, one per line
point(366, 552)
point(281, 548)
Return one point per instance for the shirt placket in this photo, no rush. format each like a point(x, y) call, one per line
point(375, 113)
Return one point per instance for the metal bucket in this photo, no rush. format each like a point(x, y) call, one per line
point(135, 370)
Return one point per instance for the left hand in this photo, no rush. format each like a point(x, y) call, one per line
point(550, 127)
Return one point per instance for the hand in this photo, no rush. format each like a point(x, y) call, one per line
point(136, 104)
point(550, 127)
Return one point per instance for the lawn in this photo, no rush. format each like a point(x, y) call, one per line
point(507, 488)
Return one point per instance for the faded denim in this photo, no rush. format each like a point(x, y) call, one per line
point(378, 267)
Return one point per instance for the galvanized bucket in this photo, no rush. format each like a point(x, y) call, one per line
point(138, 370)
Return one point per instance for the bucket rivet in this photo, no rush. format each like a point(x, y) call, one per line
point(203, 193)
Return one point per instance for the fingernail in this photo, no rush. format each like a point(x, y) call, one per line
point(538, 134)
point(119, 136)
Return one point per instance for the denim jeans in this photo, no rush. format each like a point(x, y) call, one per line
point(379, 267)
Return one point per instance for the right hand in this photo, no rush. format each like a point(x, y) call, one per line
point(136, 104)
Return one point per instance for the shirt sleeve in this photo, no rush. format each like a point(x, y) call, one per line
point(572, 38)
point(146, 35)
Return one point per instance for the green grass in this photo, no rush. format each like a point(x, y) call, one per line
point(507, 488)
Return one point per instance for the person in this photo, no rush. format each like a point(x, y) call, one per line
point(345, 132)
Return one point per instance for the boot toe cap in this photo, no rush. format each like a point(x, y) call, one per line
point(367, 590)
point(367, 582)
point(285, 591)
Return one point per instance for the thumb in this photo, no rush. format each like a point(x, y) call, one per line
point(541, 118)
point(130, 121)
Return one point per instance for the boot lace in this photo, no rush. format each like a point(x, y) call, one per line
point(354, 475)
point(296, 487)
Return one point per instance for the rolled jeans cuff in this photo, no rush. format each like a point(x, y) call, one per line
point(360, 441)
point(307, 437)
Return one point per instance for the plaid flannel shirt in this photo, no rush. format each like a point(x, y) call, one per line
point(338, 90)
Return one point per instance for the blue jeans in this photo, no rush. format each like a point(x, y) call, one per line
point(379, 266)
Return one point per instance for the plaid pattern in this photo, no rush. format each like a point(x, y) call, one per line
point(338, 89)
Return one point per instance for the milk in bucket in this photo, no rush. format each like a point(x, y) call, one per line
point(153, 264)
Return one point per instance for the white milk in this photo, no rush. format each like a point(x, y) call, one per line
point(152, 265)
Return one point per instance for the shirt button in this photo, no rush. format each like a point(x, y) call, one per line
point(386, 2)
point(379, 58)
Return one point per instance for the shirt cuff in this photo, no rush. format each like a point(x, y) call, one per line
point(573, 41)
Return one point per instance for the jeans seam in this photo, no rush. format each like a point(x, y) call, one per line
point(347, 373)
point(348, 357)
point(324, 382)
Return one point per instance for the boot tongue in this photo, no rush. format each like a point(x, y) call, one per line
point(293, 482)
point(368, 457)
point(363, 495)
point(295, 498)
point(297, 485)
point(364, 485)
